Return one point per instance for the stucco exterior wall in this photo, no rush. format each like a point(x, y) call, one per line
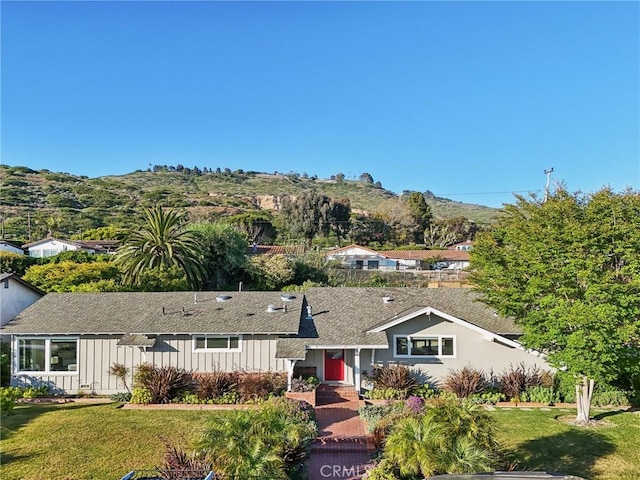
point(471, 349)
point(14, 298)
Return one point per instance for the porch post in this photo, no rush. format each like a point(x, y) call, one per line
point(289, 364)
point(356, 370)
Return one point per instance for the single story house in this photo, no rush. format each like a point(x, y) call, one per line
point(70, 340)
point(15, 295)
point(49, 247)
point(7, 246)
point(362, 258)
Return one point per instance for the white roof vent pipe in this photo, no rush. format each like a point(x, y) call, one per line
point(223, 298)
point(309, 312)
point(387, 299)
point(272, 308)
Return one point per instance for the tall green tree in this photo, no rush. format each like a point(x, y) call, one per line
point(306, 215)
point(160, 242)
point(223, 248)
point(340, 217)
point(421, 213)
point(257, 226)
point(568, 271)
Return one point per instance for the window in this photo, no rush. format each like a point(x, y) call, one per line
point(373, 264)
point(424, 346)
point(48, 355)
point(215, 343)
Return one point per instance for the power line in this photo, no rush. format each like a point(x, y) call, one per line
point(486, 193)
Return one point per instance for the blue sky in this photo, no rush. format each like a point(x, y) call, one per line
point(460, 98)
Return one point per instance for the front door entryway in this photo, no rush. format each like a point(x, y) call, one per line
point(333, 365)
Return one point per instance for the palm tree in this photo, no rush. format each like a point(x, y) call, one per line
point(450, 437)
point(237, 451)
point(161, 242)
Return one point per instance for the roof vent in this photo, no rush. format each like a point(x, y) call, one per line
point(223, 298)
point(387, 299)
point(309, 312)
point(287, 297)
point(272, 308)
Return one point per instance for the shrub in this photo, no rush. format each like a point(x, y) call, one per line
point(8, 396)
point(119, 371)
point(414, 404)
point(516, 380)
point(304, 385)
point(425, 391)
point(259, 386)
point(178, 464)
point(386, 394)
point(394, 376)
point(163, 383)
point(465, 382)
point(141, 396)
point(487, 398)
point(215, 384)
point(540, 394)
point(123, 397)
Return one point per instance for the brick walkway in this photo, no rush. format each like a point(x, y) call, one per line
point(343, 446)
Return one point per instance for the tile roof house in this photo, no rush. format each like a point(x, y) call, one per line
point(362, 258)
point(49, 247)
point(70, 340)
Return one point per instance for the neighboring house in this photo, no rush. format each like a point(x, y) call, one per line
point(15, 296)
point(70, 340)
point(49, 247)
point(362, 258)
point(7, 246)
point(466, 246)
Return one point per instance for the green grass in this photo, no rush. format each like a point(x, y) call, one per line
point(540, 440)
point(79, 441)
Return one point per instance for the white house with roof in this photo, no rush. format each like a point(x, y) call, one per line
point(69, 340)
point(15, 295)
point(6, 246)
point(362, 258)
point(49, 247)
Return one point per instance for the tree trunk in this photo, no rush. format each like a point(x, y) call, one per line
point(584, 392)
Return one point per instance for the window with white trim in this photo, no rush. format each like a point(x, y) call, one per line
point(217, 343)
point(424, 346)
point(48, 355)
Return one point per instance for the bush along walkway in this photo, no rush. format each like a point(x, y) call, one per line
point(342, 450)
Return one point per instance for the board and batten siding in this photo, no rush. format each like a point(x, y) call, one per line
point(97, 353)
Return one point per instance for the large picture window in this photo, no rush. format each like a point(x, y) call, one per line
point(424, 346)
point(216, 343)
point(48, 355)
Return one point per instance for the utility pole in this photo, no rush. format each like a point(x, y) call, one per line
point(546, 189)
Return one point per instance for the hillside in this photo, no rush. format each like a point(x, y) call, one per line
point(37, 200)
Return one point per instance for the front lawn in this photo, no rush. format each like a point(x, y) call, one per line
point(80, 441)
point(539, 440)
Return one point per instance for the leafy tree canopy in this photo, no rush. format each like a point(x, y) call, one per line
point(568, 271)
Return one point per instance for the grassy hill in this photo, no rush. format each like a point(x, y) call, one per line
point(38, 200)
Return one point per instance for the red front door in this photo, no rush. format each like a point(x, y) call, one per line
point(333, 365)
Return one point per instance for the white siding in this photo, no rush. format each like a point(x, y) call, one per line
point(98, 353)
point(14, 297)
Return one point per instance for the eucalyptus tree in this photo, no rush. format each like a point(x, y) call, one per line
point(568, 271)
point(160, 242)
point(307, 215)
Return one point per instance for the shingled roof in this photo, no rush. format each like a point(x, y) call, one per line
point(159, 313)
point(347, 316)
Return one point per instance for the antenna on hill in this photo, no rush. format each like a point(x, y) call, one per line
point(546, 189)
